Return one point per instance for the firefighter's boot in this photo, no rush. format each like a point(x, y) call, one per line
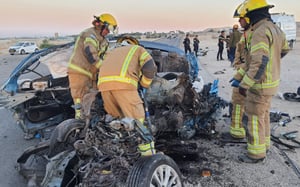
point(147, 149)
point(77, 108)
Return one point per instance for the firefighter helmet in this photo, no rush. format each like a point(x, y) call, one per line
point(236, 13)
point(250, 5)
point(240, 12)
point(108, 20)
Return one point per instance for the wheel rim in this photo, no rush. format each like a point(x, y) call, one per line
point(165, 176)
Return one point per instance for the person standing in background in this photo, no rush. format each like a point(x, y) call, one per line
point(234, 38)
point(187, 44)
point(227, 45)
point(221, 41)
point(196, 45)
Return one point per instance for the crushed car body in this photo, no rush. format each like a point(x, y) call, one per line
point(99, 150)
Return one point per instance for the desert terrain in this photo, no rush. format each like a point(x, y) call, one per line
point(217, 157)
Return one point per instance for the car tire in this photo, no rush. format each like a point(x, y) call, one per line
point(36, 50)
point(22, 52)
point(148, 170)
point(65, 135)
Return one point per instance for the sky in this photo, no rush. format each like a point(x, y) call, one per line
point(69, 17)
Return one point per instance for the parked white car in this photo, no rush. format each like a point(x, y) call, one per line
point(23, 48)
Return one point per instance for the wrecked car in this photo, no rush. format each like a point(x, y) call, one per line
point(102, 151)
point(37, 91)
point(99, 150)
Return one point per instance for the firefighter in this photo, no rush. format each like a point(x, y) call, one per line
point(237, 131)
point(234, 38)
point(267, 44)
point(87, 57)
point(123, 70)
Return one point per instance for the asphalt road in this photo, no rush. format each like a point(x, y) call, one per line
point(12, 143)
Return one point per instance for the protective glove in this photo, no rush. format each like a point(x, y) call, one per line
point(243, 91)
point(234, 82)
point(214, 87)
point(142, 89)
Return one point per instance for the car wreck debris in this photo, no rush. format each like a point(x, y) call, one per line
point(99, 150)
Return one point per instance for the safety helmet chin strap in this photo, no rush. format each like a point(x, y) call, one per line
point(99, 26)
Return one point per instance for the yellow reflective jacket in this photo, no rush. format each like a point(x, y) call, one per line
point(125, 67)
point(267, 43)
point(88, 51)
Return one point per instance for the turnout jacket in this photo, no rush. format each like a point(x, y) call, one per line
point(267, 44)
point(88, 52)
point(125, 67)
point(241, 52)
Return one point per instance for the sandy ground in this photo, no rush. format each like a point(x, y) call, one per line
point(220, 159)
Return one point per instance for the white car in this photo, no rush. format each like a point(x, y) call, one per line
point(23, 48)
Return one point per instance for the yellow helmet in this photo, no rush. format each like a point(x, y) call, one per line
point(240, 12)
point(236, 13)
point(108, 20)
point(130, 40)
point(250, 5)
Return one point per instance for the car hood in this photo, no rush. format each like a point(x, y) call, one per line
point(11, 85)
point(14, 47)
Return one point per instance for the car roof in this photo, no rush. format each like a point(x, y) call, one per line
point(160, 46)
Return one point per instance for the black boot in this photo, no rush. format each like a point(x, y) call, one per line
point(247, 159)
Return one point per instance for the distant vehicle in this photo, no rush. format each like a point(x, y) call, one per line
point(23, 48)
point(287, 24)
point(171, 35)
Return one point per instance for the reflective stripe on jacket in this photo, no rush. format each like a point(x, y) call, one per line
point(124, 67)
point(266, 43)
point(87, 54)
point(241, 56)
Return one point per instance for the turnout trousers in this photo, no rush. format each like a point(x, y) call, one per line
point(237, 129)
point(257, 110)
point(80, 85)
point(124, 103)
